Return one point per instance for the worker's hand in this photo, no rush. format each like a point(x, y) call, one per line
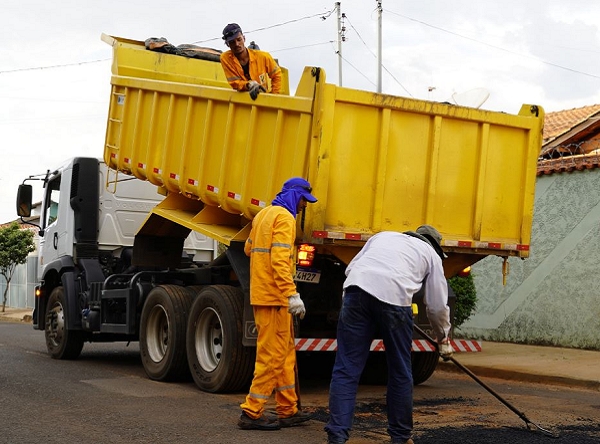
point(445, 349)
point(296, 306)
point(254, 88)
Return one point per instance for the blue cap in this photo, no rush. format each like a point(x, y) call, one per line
point(231, 31)
point(301, 184)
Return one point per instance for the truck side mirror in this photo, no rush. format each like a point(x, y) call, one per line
point(24, 196)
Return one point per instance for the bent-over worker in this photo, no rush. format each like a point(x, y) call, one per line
point(380, 283)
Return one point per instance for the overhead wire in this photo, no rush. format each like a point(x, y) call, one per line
point(302, 46)
point(494, 46)
point(264, 28)
point(383, 65)
point(323, 16)
point(64, 65)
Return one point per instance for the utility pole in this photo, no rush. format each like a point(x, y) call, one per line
point(379, 40)
point(341, 38)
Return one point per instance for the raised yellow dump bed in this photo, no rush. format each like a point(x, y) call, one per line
point(376, 162)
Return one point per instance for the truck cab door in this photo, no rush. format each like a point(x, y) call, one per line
point(55, 242)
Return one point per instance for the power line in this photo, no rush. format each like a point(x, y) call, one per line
point(356, 69)
point(323, 16)
point(303, 46)
point(53, 66)
point(495, 47)
point(369, 49)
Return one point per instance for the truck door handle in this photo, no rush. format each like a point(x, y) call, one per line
point(55, 241)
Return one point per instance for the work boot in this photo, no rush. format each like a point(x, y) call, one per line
point(408, 441)
point(296, 419)
point(262, 423)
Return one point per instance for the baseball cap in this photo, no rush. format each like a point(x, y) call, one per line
point(303, 185)
point(231, 31)
point(434, 237)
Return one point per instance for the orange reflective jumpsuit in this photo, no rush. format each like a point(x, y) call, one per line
point(263, 69)
point(270, 247)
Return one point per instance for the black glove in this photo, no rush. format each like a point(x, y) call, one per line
point(254, 88)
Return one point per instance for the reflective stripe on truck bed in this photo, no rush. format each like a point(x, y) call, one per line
point(343, 235)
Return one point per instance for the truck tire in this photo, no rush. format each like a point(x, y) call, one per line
point(218, 361)
point(162, 332)
point(61, 342)
point(423, 365)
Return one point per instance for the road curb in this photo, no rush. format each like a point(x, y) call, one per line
point(514, 375)
point(25, 319)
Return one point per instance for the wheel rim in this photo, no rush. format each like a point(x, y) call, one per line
point(208, 339)
point(55, 324)
point(157, 334)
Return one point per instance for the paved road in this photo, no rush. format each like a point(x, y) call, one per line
point(105, 397)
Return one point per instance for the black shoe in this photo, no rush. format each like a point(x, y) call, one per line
point(262, 423)
point(296, 419)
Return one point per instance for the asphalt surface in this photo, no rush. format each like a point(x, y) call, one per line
point(527, 363)
point(446, 410)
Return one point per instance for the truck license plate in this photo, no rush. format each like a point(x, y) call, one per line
point(312, 277)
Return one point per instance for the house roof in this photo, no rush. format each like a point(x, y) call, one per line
point(558, 123)
point(571, 140)
point(25, 226)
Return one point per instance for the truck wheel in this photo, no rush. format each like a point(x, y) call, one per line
point(423, 365)
point(218, 361)
point(60, 342)
point(162, 332)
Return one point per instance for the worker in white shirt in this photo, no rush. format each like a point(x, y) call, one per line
point(380, 283)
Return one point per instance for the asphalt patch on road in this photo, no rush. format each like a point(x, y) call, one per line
point(374, 414)
point(481, 435)
point(370, 422)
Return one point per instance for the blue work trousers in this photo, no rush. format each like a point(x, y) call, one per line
point(360, 317)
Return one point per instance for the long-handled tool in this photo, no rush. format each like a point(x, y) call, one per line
point(295, 321)
point(528, 423)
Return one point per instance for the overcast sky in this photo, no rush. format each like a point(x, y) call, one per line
point(55, 70)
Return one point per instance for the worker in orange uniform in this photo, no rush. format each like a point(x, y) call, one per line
point(274, 300)
point(248, 69)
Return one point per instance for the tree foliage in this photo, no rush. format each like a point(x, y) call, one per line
point(15, 246)
point(466, 298)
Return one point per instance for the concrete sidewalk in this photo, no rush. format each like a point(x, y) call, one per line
point(16, 314)
point(530, 363)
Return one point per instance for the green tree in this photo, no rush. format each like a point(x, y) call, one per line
point(15, 246)
point(466, 298)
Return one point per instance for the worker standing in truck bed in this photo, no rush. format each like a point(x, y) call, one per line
point(247, 69)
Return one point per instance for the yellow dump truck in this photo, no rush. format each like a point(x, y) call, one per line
point(375, 161)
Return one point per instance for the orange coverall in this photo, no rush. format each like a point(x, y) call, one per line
point(270, 247)
point(263, 69)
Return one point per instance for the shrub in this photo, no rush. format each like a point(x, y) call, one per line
point(466, 298)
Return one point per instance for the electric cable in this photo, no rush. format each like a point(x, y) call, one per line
point(53, 66)
point(372, 53)
point(494, 46)
point(323, 16)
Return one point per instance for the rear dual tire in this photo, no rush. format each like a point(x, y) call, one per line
point(162, 332)
point(217, 359)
